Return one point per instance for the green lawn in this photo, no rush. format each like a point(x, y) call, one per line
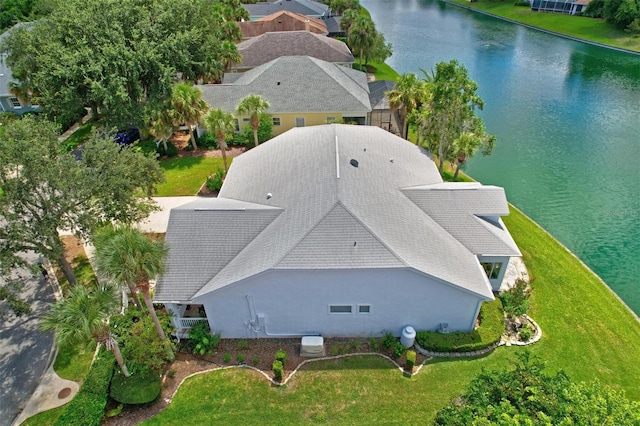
point(591, 29)
point(185, 175)
point(80, 136)
point(586, 331)
point(381, 70)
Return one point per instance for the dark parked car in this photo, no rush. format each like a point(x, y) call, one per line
point(127, 137)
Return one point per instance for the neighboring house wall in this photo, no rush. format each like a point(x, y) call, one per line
point(495, 267)
point(296, 302)
point(289, 121)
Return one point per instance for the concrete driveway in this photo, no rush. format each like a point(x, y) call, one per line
point(25, 351)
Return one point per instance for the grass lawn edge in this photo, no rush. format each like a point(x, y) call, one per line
point(470, 6)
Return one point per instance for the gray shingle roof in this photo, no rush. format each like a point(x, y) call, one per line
point(262, 49)
point(299, 201)
point(6, 76)
point(295, 84)
point(203, 236)
point(470, 212)
point(304, 7)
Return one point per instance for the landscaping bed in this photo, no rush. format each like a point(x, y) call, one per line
point(226, 355)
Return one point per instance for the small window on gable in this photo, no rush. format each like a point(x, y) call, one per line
point(299, 121)
point(276, 121)
point(15, 102)
point(245, 120)
point(331, 120)
point(340, 309)
point(364, 309)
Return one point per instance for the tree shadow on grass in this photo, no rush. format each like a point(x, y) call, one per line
point(180, 163)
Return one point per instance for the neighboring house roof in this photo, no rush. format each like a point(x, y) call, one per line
point(333, 25)
point(304, 7)
point(309, 207)
point(378, 94)
point(283, 21)
point(262, 49)
point(294, 84)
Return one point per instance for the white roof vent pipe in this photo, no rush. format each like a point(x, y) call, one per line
point(269, 195)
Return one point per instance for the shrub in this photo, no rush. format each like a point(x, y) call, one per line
point(516, 300)
point(388, 341)
point(189, 147)
point(489, 332)
point(171, 374)
point(281, 356)
point(264, 130)
point(87, 407)
point(148, 146)
point(226, 358)
point(278, 370)
point(411, 360)
point(207, 141)
point(135, 389)
point(256, 359)
point(172, 151)
point(214, 183)
point(201, 339)
point(398, 349)
point(525, 332)
point(144, 351)
point(243, 345)
point(239, 140)
point(240, 358)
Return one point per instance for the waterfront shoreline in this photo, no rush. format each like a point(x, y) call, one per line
point(533, 27)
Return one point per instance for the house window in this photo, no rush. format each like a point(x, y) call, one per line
point(492, 269)
point(276, 121)
point(364, 309)
point(245, 120)
point(299, 121)
point(340, 309)
point(14, 102)
point(331, 120)
point(237, 125)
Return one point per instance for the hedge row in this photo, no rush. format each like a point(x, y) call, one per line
point(489, 332)
point(87, 407)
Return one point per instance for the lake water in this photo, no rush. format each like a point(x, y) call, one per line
point(567, 120)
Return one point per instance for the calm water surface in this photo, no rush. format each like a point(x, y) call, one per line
point(567, 120)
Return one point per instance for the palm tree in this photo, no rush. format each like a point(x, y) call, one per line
point(409, 93)
point(361, 35)
point(221, 124)
point(187, 106)
point(348, 17)
point(469, 141)
point(84, 315)
point(253, 106)
point(125, 255)
point(160, 123)
point(228, 54)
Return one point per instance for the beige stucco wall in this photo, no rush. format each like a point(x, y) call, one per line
point(288, 121)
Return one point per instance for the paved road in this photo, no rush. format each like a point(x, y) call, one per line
point(24, 351)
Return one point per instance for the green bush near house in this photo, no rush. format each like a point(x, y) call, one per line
point(278, 370)
point(135, 389)
point(87, 407)
point(489, 332)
